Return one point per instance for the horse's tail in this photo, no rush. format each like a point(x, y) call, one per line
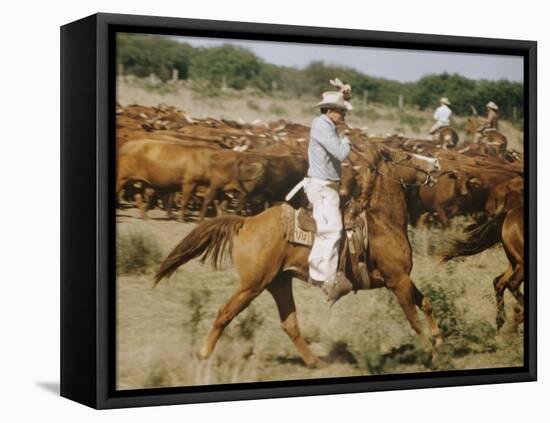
point(212, 239)
point(480, 238)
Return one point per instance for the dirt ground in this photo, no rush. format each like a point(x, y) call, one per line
point(161, 329)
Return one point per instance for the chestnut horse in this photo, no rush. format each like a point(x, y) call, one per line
point(447, 137)
point(495, 142)
point(505, 227)
point(264, 259)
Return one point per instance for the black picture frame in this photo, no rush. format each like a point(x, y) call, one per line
point(87, 209)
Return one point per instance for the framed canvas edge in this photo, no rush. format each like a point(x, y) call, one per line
point(78, 308)
point(105, 397)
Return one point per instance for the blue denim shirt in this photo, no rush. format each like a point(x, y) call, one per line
point(326, 151)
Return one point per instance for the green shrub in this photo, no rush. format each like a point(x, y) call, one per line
point(237, 68)
point(407, 354)
point(461, 337)
point(446, 313)
point(413, 121)
point(278, 110)
point(136, 252)
point(247, 326)
point(196, 304)
point(157, 376)
point(252, 105)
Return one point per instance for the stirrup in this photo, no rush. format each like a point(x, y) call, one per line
point(338, 288)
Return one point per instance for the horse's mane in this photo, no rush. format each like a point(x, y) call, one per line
point(369, 156)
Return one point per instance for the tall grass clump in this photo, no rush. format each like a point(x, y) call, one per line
point(136, 252)
point(196, 303)
point(462, 337)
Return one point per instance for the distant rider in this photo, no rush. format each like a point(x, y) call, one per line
point(490, 123)
point(442, 115)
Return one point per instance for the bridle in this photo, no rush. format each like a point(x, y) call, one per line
point(404, 185)
point(400, 181)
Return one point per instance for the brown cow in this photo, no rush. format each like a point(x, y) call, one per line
point(493, 141)
point(167, 167)
point(443, 197)
point(481, 185)
point(252, 174)
point(506, 196)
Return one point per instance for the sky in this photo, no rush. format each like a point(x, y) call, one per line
point(395, 64)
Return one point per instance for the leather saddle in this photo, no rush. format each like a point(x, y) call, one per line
point(305, 219)
point(299, 228)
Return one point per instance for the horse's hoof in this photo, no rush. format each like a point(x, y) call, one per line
point(518, 315)
point(317, 363)
point(203, 353)
point(340, 288)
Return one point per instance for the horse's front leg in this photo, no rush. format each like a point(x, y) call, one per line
point(410, 297)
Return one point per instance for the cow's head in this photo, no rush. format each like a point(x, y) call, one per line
point(250, 173)
point(461, 182)
point(474, 183)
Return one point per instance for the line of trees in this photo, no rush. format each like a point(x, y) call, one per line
point(239, 68)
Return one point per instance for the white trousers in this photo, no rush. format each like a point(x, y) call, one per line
point(323, 259)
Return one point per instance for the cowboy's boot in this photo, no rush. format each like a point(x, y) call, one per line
point(338, 288)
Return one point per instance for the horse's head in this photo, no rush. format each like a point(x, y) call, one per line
point(472, 123)
point(414, 168)
point(419, 162)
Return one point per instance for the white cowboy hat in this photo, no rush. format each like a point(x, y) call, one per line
point(335, 100)
point(445, 100)
point(492, 105)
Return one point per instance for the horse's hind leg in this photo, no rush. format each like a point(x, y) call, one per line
point(237, 303)
point(514, 283)
point(423, 303)
point(281, 290)
point(500, 284)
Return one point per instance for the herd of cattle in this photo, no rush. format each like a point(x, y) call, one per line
point(167, 158)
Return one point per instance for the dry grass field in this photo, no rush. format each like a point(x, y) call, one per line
point(160, 330)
